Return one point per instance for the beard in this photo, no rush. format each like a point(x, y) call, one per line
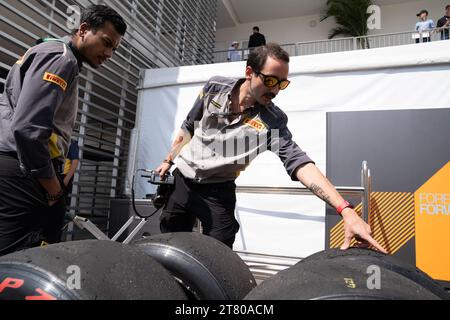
point(267, 98)
point(91, 64)
point(270, 95)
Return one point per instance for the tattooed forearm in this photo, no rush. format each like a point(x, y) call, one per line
point(181, 140)
point(176, 146)
point(318, 191)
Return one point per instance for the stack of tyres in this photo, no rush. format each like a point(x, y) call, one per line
point(206, 268)
point(85, 270)
point(354, 274)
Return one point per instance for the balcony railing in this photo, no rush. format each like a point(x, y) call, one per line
point(345, 44)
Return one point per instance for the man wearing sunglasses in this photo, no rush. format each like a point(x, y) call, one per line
point(231, 122)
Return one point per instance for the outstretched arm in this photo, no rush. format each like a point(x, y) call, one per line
point(354, 226)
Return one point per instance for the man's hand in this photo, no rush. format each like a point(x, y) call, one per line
point(51, 203)
point(163, 169)
point(182, 138)
point(52, 186)
point(355, 227)
point(66, 180)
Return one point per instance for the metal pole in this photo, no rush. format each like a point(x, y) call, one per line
point(347, 191)
point(366, 184)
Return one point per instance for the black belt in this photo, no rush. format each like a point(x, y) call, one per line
point(11, 154)
point(57, 165)
point(225, 184)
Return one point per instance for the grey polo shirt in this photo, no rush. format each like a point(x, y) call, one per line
point(222, 145)
point(39, 106)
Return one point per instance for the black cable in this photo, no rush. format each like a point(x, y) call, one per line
point(133, 198)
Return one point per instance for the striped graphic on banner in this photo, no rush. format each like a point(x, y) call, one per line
point(391, 220)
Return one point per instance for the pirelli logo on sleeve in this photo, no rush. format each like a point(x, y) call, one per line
point(254, 123)
point(53, 78)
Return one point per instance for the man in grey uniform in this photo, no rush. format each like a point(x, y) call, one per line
point(38, 110)
point(232, 121)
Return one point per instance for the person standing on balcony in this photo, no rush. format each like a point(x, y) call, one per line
point(256, 39)
point(444, 24)
point(424, 26)
point(233, 52)
point(240, 114)
point(38, 109)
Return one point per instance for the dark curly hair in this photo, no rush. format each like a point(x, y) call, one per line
point(97, 15)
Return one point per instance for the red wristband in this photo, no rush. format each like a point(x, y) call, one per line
point(344, 205)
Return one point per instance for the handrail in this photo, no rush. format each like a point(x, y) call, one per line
point(344, 44)
point(435, 30)
point(350, 191)
point(363, 191)
point(265, 255)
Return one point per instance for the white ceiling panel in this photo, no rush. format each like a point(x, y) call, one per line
point(233, 12)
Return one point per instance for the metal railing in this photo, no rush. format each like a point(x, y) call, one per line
point(346, 44)
point(263, 265)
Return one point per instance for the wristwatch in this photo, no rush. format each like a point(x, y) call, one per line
point(343, 206)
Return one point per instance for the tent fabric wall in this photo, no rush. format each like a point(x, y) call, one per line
point(395, 78)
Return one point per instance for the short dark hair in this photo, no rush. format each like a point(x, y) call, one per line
point(97, 15)
point(447, 6)
point(256, 28)
point(422, 12)
point(258, 56)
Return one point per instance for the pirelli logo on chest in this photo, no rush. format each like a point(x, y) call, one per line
point(255, 124)
point(53, 78)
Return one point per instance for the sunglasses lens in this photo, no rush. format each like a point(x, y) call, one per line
point(270, 82)
point(284, 84)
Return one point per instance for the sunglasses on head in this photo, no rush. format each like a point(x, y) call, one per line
point(272, 81)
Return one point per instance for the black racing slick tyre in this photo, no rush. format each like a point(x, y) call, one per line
point(85, 270)
point(332, 275)
point(386, 262)
point(206, 268)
